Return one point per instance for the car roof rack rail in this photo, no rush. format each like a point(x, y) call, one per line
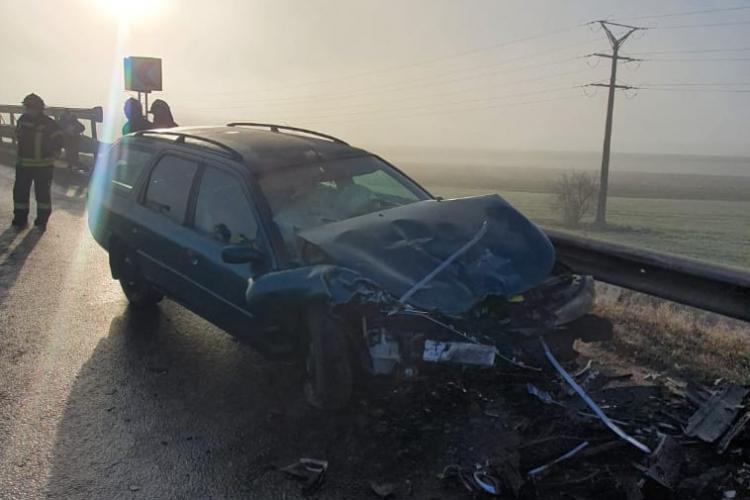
point(181, 136)
point(280, 128)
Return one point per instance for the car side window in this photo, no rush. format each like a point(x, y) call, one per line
point(127, 165)
point(222, 210)
point(169, 186)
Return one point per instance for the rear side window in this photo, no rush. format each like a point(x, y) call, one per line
point(127, 166)
point(222, 210)
point(169, 186)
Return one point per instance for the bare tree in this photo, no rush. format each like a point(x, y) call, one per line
point(575, 193)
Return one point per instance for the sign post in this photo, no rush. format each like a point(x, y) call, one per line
point(142, 75)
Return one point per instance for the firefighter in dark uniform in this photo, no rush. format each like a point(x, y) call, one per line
point(39, 142)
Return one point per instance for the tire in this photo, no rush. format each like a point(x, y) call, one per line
point(139, 292)
point(329, 374)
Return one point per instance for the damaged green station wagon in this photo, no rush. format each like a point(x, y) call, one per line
point(312, 250)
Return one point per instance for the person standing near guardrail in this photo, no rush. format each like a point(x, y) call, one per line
point(39, 141)
point(162, 114)
point(72, 130)
point(134, 113)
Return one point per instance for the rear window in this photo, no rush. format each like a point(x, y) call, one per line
point(126, 166)
point(169, 187)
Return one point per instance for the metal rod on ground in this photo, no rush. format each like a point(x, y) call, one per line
point(590, 402)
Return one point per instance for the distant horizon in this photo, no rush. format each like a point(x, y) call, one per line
point(565, 151)
point(656, 163)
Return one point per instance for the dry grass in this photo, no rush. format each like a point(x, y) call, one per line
point(669, 337)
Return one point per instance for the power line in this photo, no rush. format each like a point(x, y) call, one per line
point(487, 103)
point(688, 13)
point(691, 51)
point(504, 85)
point(424, 81)
point(418, 83)
point(700, 59)
point(451, 103)
point(440, 111)
point(455, 91)
point(719, 91)
point(684, 84)
point(425, 62)
point(707, 25)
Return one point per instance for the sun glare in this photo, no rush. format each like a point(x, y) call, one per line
point(131, 11)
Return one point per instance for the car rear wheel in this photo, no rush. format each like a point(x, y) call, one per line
point(140, 293)
point(329, 372)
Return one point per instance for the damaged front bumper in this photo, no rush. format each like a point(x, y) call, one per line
point(402, 341)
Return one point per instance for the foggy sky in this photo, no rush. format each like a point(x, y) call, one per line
point(417, 73)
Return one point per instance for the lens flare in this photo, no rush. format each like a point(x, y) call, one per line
point(131, 11)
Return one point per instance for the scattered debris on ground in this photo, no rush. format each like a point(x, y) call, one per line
point(310, 471)
point(583, 430)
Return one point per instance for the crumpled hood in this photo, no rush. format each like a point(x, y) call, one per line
point(397, 248)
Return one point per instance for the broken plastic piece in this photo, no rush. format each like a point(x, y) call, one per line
point(733, 432)
point(383, 490)
point(665, 463)
point(488, 483)
point(543, 396)
point(384, 353)
point(517, 362)
point(714, 417)
point(590, 402)
point(311, 470)
point(583, 370)
point(458, 352)
point(539, 470)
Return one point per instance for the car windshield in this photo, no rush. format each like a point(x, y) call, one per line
point(311, 195)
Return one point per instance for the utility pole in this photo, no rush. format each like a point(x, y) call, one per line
point(616, 43)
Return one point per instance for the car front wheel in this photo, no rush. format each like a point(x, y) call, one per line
point(329, 371)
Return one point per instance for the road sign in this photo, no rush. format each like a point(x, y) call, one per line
point(142, 74)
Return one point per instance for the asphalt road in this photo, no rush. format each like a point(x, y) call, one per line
point(99, 402)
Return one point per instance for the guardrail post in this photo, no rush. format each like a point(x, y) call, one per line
point(13, 122)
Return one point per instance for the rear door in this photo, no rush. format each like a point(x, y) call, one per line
point(224, 215)
point(162, 235)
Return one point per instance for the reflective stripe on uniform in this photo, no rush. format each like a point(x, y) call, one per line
point(20, 206)
point(43, 206)
point(32, 162)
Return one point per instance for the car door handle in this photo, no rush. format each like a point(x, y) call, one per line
point(192, 256)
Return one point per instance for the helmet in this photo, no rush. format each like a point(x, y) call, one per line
point(33, 101)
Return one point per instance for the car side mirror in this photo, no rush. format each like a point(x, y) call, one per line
point(241, 254)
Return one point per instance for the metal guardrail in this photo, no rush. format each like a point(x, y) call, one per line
point(93, 115)
point(714, 288)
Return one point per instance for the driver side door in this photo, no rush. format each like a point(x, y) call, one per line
point(223, 216)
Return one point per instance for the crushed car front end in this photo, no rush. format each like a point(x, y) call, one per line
point(435, 281)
